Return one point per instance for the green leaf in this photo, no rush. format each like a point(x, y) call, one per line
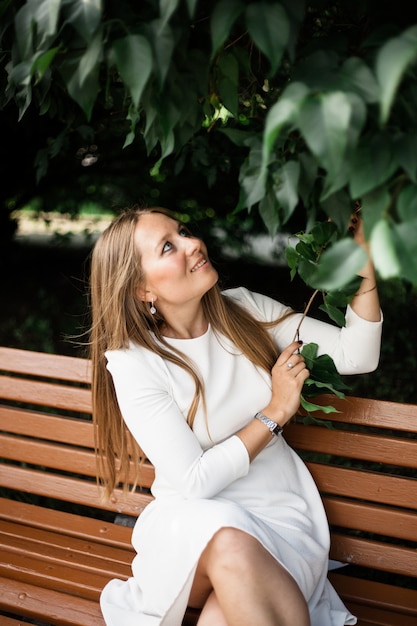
point(281, 115)
point(83, 16)
point(36, 19)
point(133, 117)
point(374, 206)
point(192, 5)
point(372, 165)
point(133, 56)
point(360, 78)
point(407, 203)
point(228, 82)
point(338, 265)
point(43, 62)
point(269, 213)
point(166, 9)
point(327, 121)
point(82, 75)
point(163, 44)
point(224, 15)
point(323, 376)
point(251, 177)
point(90, 61)
point(269, 27)
point(287, 190)
point(86, 94)
point(334, 313)
point(406, 153)
point(392, 61)
point(236, 136)
point(406, 247)
point(383, 250)
point(310, 407)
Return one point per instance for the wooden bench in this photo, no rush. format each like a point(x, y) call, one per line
point(60, 543)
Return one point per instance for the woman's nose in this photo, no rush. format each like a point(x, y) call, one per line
point(192, 245)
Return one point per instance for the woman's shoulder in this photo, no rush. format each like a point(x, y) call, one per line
point(131, 354)
point(261, 306)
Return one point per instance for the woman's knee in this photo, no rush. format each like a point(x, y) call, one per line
point(231, 547)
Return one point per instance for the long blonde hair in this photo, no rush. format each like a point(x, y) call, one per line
point(119, 316)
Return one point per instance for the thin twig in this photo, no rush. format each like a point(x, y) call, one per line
point(306, 310)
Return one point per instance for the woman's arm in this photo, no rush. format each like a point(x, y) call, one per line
point(365, 302)
point(162, 432)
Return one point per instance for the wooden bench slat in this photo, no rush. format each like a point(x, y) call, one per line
point(45, 364)
point(353, 445)
point(60, 457)
point(365, 485)
point(67, 523)
point(45, 394)
point(71, 490)
point(10, 621)
point(370, 553)
point(74, 431)
point(371, 518)
point(55, 563)
point(48, 605)
point(375, 594)
point(53, 575)
point(361, 411)
point(50, 544)
point(372, 616)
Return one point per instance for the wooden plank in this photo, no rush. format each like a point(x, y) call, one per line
point(76, 431)
point(376, 555)
point(58, 457)
point(47, 565)
point(370, 412)
point(61, 457)
point(371, 518)
point(44, 364)
point(353, 445)
point(365, 485)
point(372, 616)
point(69, 524)
point(59, 546)
point(48, 605)
point(376, 594)
point(71, 490)
point(45, 394)
point(10, 621)
point(49, 575)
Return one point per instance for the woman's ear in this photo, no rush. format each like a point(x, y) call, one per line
point(142, 294)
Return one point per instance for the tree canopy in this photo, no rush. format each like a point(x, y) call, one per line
point(292, 111)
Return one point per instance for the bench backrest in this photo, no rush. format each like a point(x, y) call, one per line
point(364, 461)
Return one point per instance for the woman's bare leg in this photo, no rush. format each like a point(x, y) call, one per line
point(250, 586)
point(212, 615)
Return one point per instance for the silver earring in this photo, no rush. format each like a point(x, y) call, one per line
point(152, 309)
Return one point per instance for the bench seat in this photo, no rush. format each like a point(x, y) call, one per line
point(60, 544)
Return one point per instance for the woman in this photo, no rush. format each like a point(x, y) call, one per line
point(204, 382)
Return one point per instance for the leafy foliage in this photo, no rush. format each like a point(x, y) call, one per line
point(318, 99)
point(300, 108)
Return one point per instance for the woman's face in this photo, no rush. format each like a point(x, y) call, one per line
point(175, 264)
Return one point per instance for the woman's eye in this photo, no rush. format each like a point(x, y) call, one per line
point(167, 246)
point(184, 232)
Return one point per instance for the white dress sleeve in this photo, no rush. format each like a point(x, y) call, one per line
point(159, 427)
point(355, 348)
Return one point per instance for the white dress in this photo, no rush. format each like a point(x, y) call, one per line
point(204, 480)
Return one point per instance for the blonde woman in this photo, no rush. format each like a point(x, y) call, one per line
point(203, 382)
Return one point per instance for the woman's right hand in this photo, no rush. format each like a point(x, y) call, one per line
point(288, 376)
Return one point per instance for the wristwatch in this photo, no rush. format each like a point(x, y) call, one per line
point(275, 428)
